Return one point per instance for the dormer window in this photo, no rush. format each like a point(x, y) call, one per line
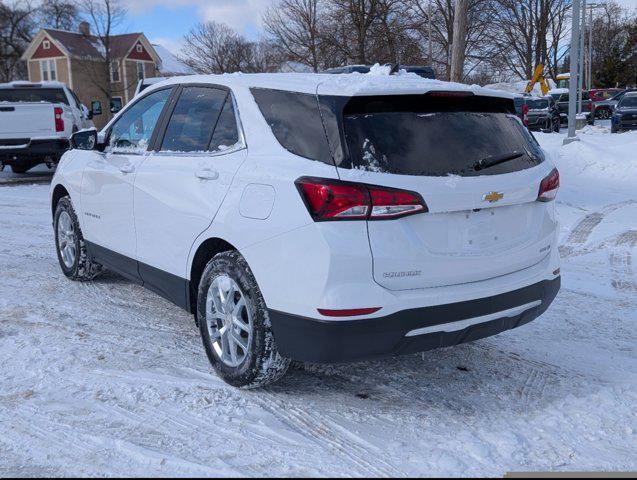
point(46, 45)
point(139, 48)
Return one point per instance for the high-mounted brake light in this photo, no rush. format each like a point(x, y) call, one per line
point(59, 121)
point(328, 199)
point(448, 93)
point(549, 186)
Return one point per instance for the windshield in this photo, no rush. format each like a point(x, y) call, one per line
point(537, 104)
point(437, 143)
point(49, 95)
point(629, 101)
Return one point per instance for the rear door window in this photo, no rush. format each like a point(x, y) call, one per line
point(295, 121)
point(193, 120)
point(226, 132)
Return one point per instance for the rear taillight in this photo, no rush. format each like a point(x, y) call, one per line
point(328, 199)
point(549, 186)
point(59, 121)
point(525, 110)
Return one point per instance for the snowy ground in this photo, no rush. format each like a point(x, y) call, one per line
point(106, 378)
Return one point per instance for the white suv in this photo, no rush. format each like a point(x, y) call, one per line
point(321, 218)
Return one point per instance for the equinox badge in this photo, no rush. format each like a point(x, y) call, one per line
point(492, 197)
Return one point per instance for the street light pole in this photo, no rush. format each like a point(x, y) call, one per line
point(431, 58)
point(590, 48)
point(572, 84)
point(580, 77)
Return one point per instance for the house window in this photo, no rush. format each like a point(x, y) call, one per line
point(115, 71)
point(140, 71)
point(139, 48)
point(46, 45)
point(48, 70)
point(116, 104)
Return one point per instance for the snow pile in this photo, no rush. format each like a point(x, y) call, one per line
point(377, 70)
point(518, 87)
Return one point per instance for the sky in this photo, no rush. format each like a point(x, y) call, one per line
point(166, 21)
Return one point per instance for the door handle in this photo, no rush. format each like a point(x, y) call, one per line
point(127, 168)
point(207, 174)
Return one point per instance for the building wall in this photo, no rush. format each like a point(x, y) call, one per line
point(61, 65)
point(86, 84)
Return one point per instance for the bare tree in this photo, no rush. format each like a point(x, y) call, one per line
point(296, 29)
point(104, 18)
point(16, 31)
point(352, 22)
point(214, 47)
point(59, 14)
point(525, 27)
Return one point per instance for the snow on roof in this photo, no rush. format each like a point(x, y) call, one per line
point(350, 84)
point(170, 64)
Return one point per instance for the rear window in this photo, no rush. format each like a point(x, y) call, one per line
point(49, 95)
point(437, 138)
point(537, 104)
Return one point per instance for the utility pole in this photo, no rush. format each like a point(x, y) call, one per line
point(580, 77)
point(431, 57)
point(589, 76)
point(459, 39)
point(572, 84)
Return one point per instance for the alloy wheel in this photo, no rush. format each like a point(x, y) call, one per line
point(66, 239)
point(229, 320)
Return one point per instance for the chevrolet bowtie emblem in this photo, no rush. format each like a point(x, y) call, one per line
point(492, 197)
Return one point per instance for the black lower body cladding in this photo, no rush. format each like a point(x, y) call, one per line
point(312, 340)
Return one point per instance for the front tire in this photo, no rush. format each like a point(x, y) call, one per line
point(70, 244)
point(235, 325)
point(20, 168)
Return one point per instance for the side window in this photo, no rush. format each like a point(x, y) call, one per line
point(132, 131)
point(226, 134)
point(193, 120)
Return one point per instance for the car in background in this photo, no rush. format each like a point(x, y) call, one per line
point(538, 113)
point(561, 99)
point(36, 123)
point(625, 114)
point(601, 94)
point(605, 108)
point(144, 83)
point(422, 71)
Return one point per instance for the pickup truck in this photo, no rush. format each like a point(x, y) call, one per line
point(36, 123)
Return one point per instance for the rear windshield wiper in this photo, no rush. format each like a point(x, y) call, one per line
point(496, 160)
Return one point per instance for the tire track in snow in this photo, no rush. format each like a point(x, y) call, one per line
point(329, 435)
point(621, 262)
point(583, 230)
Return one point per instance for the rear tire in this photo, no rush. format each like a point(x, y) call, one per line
point(603, 113)
point(20, 168)
point(70, 244)
point(235, 325)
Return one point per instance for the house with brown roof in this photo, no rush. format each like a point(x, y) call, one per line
point(79, 59)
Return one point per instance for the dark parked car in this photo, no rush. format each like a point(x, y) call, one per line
point(425, 72)
point(562, 104)
point(605, 108)
point(625, 114)
point(538, 113)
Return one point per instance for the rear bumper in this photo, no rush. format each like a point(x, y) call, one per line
point(409, 331)
point(17, 150)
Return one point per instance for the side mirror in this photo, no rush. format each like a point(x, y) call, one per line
point(86, 112)
point(84, 140)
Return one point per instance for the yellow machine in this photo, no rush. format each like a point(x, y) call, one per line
point(538, 76)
